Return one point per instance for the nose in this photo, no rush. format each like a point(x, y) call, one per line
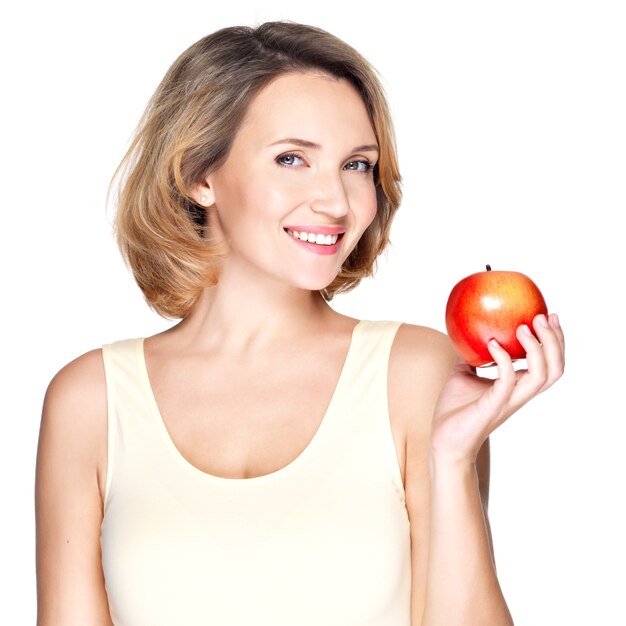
point(329, 195)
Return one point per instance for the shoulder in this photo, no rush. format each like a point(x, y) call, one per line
point(74, 416)
point(420, 363)
point(421, 350)
point(78, 383)
point(81, 383)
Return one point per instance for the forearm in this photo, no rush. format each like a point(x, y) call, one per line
point(462, 587)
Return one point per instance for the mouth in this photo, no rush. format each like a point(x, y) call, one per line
point(319, 239)
point(316, 243)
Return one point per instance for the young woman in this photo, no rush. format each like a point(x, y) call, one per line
point(267, 460)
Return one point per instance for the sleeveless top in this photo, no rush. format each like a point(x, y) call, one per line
point(322, 541)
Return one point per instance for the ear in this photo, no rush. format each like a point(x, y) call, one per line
point(203, 194)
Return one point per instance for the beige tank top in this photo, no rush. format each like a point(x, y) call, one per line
point(323, 541)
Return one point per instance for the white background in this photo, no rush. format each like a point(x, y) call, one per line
point(511, 124)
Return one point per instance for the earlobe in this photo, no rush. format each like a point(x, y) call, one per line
point(202, 194)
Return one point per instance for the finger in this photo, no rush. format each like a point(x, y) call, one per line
point(552, 349)
point(555, 324)
point(505, 383)
point(536, 375)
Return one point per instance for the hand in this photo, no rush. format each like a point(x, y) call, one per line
point(470, 408)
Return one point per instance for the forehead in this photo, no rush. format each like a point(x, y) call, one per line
point(312, 106)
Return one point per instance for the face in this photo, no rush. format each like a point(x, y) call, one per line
point(297, 189)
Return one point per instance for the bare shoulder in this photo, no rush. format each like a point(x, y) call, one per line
point(76, 397)
point(75, 411)
point(421, 361)
point(420, 345)
point(78, 378)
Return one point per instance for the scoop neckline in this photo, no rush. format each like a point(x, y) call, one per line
point(310, 448)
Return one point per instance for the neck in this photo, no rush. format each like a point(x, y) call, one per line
point(245, 316)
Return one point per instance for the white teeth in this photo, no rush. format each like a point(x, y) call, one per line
point(324, 240)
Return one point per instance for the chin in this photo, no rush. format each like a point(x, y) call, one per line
point(315, 285)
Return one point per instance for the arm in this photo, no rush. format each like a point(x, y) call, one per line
point(460, 552)
point(454, 577)
point(483, 471)
point(71, 460)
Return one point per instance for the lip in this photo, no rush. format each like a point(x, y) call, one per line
point(314, 247)
point(319, 229)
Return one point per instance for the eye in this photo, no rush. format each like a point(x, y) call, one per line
point(362, 165)
point(289, 160)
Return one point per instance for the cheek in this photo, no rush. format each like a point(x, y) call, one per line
point(267, 201)
point(370, 206)
point(243, 201)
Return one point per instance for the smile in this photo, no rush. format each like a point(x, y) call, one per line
point(317, 238)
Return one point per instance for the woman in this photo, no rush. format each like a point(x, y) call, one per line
point(268, 460)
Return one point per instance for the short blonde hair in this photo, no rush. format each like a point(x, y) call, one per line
point(187, 131)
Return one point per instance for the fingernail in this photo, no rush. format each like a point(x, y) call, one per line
point(493, 343)
point(526, 330)
point(543, 321)
point(554, 318)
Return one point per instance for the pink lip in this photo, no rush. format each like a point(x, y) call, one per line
point(321, 230)
point(316, 248)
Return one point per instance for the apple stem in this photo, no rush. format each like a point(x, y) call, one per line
point(488, 268)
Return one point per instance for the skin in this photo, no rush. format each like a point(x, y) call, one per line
point(255, 325)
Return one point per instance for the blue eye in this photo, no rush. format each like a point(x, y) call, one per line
point(360, 166)
point(288, 160)
point(291, 160)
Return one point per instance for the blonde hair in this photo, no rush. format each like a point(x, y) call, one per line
point(187, 131)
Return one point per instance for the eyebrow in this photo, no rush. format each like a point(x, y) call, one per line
point(303, 143)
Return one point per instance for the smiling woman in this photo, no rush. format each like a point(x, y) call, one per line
point(268, 460)
point(189, 128)
point(261, 192)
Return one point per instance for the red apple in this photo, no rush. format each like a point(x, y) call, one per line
point(490, 305)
